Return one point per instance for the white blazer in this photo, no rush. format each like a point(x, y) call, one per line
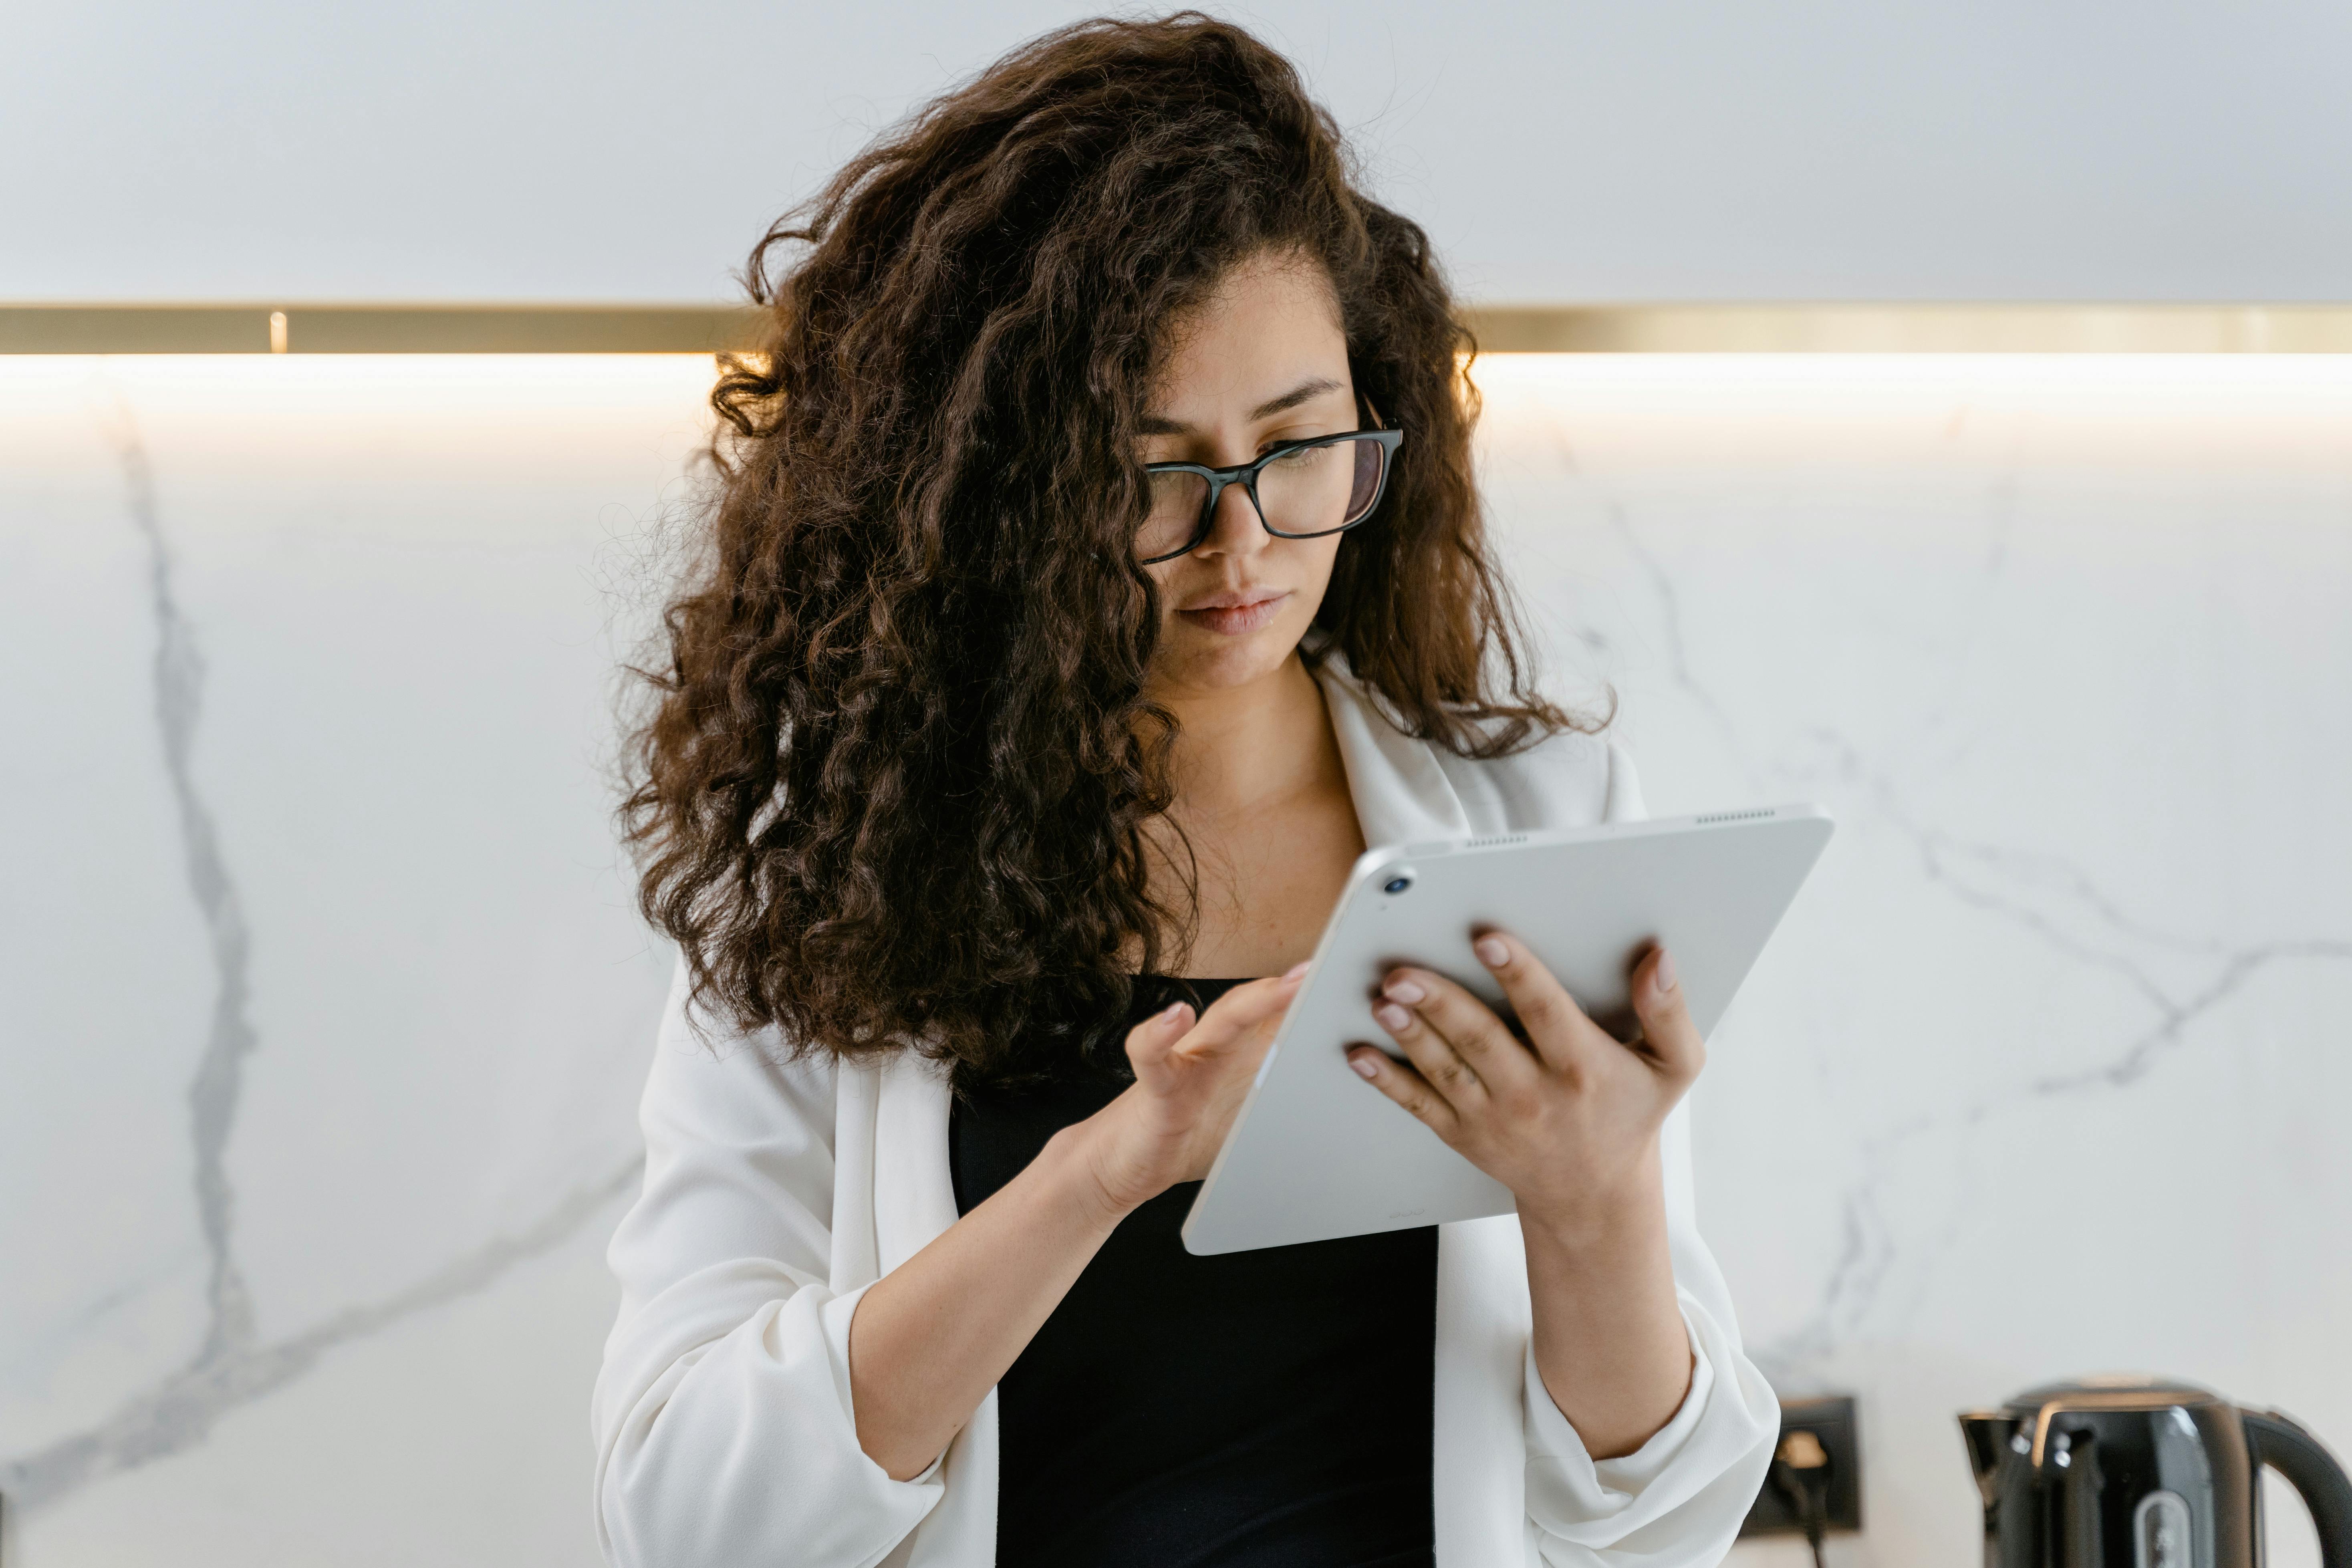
point(774, 1195)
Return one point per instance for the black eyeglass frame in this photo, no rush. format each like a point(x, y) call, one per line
point(1246, 475)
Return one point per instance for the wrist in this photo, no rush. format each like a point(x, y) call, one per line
point(1601, 1220)
point(1084, 1154)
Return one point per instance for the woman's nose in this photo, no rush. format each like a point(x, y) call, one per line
point(1234, 526)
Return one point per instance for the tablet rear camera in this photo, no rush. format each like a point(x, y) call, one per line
point(1398, 883)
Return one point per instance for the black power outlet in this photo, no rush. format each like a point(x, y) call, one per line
point(1815, 1433)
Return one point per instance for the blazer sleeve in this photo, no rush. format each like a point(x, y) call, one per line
point(721, 1417)
point(1680, 1498)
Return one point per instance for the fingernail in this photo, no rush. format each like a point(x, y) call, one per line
point(1295, 970)
point(1664, 973)
point(1364, 1064)
point(1405, 991)
point(1172, 1013)
point(1492, 952)
point(1392, 1016)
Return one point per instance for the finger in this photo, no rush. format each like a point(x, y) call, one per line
point(1242, 1013)
point(1467, 1025)
point(1558, 1029)
point(1149, 1043)
point(1440, 1066)
point(1408, 1088)
point(1671, 1039)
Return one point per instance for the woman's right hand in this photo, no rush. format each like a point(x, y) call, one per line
point(929, 1338)
point(1190, 1078)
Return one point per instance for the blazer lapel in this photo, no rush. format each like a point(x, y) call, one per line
point(1401, 795)
point(913, 1190)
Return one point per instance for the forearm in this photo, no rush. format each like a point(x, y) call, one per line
point(930, 1338)
point(1610, 1342)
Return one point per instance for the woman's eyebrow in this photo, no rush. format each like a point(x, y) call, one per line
point(1306, 391)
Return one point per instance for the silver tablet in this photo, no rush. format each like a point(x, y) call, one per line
point(1318, 1152)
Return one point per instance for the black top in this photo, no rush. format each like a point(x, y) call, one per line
point(1247, 1411)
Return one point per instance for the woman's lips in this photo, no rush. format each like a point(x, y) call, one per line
point(1233, 620)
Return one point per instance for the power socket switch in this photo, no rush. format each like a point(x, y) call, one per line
point(1817, 1435)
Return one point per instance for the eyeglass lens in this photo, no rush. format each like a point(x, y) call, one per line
point(1314, 490)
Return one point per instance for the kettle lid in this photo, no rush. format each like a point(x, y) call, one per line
point(2115, 1391)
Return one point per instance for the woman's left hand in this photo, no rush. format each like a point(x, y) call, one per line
point(1567, 1117)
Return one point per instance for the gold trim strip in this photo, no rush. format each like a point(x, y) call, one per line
point(1913, 329)
point(375, 329)
point(1499, 329)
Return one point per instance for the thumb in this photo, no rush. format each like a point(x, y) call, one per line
point(1666, 1027)
point(1149, 1043)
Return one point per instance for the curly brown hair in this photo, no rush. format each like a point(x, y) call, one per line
point(894, 782)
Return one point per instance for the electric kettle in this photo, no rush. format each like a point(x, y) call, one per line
point(2142, 1472)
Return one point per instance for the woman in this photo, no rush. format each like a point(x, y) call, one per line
point(1097, 571)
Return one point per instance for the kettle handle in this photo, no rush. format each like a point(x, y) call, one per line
point(2277, 1441)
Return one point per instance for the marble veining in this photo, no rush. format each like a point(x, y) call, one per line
point(1976, 874)
point(2037, 1082)
point(232, 1367)
point(162, 1396)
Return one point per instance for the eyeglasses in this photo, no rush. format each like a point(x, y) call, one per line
point(1302, 490)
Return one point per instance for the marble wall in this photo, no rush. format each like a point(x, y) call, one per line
point(328, 1007)
point(2046, 1072)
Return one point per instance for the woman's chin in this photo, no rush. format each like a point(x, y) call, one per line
point(1191, 659)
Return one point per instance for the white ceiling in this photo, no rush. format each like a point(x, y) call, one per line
point(1633, 149)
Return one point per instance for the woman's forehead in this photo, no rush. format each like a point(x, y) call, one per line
point(1266, 341)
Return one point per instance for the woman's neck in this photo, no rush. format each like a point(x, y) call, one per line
point(1256, 847)
point(1240, 748)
